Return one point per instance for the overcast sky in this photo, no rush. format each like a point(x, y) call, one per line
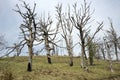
point(10, 20)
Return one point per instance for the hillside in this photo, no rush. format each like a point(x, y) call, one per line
point(15, 69)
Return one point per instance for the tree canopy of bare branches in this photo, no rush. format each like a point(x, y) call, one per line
point(113, 38)
point(80, 19)
point(67, 29)
point(28, 28)
point(46, 34)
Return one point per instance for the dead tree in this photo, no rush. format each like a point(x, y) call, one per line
point(108, 46)
point(113, 38)
point(28, 29)
point(46, 34)
point(15, 48)
point(67, 29)
point(102, 48)
point(119, 43)
point(80, 19)
point(2, 43)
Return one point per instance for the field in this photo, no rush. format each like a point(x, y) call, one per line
point(16, 69)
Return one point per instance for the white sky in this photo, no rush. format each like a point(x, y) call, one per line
point(10, 20)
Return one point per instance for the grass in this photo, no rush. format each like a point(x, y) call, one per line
point(16, 69)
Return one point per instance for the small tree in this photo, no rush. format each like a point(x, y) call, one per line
point(80, 19)
point(108, 46)
point(102, 48)
point(2, 43)
point(67, 29)
point(28, 29)
point(17, 47)
point(47, 35)
point(113, 38)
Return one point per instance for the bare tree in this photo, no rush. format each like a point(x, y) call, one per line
point(119, 43)
point(113, 38)
point(47, 35)
point(28, 29)
point(102, 48)
point(15, 48)
point(18, 49)
point(67, 29)
point(108, 46)
point(2, 43)
point(80, 19)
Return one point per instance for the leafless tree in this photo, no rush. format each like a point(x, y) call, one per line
point(108, 49)
point(15, 48)
point(67, 29)
point(28, 29)
point(102, 48)
point(119, 43)
point(2, 43)
point(18, 50)
point(46, 34)
point(113, 38)
point(80, 19)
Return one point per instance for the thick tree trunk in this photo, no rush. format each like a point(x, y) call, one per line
point(29, 66)
point(49, 58)
point(84, 57)
point(71, 59)
point(116, 52)
point(48, 50)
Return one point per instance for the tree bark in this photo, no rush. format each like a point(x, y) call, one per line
point(103, 53)
point(116, 52)
point(29, 67)
point(48, 50)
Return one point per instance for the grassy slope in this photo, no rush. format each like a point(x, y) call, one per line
point(58, 70)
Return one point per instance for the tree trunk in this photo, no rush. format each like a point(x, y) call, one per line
point(116, 52)
point(91, 59)
point(49, 58)
point(110, 61)
point(48, 50)
point(103, 53)
point(109, 57)
point(84, 59)
point(71, 59)
point(91, 52)
point(29, 66)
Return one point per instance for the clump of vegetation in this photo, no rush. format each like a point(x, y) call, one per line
point(5, 72)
